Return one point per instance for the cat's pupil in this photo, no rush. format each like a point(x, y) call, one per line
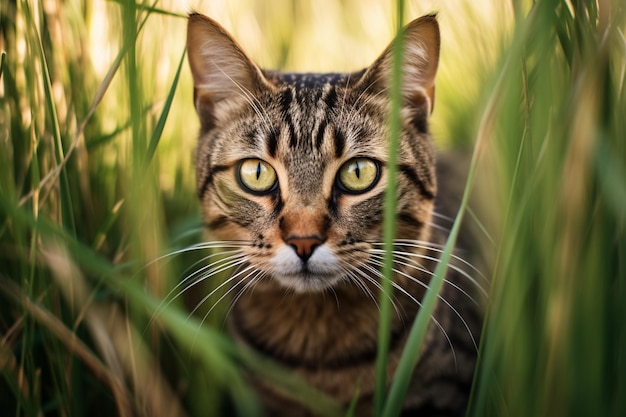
point(357, 171)
point(258, 171)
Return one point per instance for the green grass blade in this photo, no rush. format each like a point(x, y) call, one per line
point(389, 216)
point(153, 9)
point(65, 195)
point(158, 129)
point(3, 56)
point(410, 354)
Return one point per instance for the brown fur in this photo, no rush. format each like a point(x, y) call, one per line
point(309, 313)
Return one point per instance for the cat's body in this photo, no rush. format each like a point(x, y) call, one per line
point(291, 174)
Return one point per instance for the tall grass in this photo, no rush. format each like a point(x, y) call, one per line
point(96, 185)
point(553, 135)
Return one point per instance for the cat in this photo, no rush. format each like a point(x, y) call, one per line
point(291, 176)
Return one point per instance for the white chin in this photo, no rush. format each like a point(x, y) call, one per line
point(304, 283)
point(322, 270)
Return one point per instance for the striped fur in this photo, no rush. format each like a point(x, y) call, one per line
point(311, 247)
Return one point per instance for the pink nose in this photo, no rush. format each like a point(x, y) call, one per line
point(304, 246)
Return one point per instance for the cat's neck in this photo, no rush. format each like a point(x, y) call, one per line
point(333, 328)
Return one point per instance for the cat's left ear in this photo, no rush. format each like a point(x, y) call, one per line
point(420, 61)
point(223, 75)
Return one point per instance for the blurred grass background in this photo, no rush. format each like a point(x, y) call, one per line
point(97, 132)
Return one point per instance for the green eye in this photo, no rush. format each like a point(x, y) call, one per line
point(358, 175)
point(257, 176)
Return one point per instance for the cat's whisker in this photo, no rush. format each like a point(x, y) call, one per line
point(443, 229)
point(228, 291)
point(169, 299)
point(391, 297)
point(412, 298)
point(432, 317)
point(379, 261)
point(259, 275)
point(400, 256)
point(376, 273)
point(424, 285)
point(350, 274)
point(210, 270)
point(440, 249)
point(234, 277)
point(199, 246)
point(251, 278)
point(412, 263)
point(352, 269)
point(226, 282)
point(452, 266)
point(442, 216)
point(220, 254)
point(419, 244)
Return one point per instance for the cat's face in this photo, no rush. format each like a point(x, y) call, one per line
point(294, 167)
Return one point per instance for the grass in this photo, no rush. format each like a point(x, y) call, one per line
point(96, 183)
point(554, 339)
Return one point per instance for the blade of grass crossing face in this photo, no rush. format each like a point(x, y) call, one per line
point(389, 225)
point(410, 354)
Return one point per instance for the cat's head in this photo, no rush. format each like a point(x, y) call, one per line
point(294, 165)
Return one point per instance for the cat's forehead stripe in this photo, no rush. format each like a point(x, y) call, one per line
point(339, 142)
point(306, 108)
point(285, 99)
point(330, 98)
point(293, 135)
point(272, 142)
point(319, 136)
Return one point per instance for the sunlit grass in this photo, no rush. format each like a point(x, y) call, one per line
point(96, 182)
point(554, 339)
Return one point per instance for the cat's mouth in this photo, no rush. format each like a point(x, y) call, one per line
point(307, 281)
point(319, 272)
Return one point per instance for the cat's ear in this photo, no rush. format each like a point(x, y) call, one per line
point(222, 73)
point(420, 60)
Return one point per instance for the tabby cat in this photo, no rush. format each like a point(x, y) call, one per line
point(291, 174)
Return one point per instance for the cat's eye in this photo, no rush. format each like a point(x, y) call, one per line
point(257, 176)
point(358, 175)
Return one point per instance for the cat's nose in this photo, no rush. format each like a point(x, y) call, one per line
point(304, 246)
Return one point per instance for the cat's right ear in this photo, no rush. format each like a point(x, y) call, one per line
point(420, 62)
point(223, 75)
